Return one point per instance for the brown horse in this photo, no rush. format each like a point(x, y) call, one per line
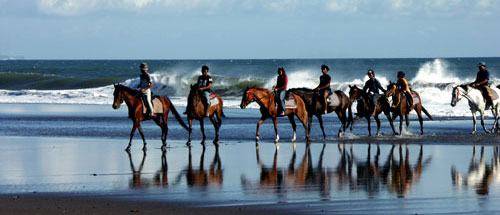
point(196, 110)
point(135, 112)
point(268, 109)
point(400, 107)
point(314, 107)
point(365, 110)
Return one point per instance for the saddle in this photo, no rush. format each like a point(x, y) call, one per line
point(213, 99)
point(333, 100)
point(157, 105)
point(290, 102)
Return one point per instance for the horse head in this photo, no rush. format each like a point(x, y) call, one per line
point(391, 89)
point(117, 96)
point(248, 97)
point(458, 91)
point(354, 92)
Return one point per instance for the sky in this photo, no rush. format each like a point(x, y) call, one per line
point(248, 29)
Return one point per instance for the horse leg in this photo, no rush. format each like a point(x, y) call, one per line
point(190, 130)
point(142, 136)
point(303, 120)
point(369, 126)
point(342, 119)
point(158, 121)
point(378, 124)
point(421, 120)
point(320, 119)
point(391, 123)
point(494, 111)
point(474, 124)
point(309, 122)
point(216, 126)
point(262, 118)
point(482, 122)
point(407, 118)
point(275, 122)
point(202, 128)
point(294, 126)
point(401, 124)
point(134, 126)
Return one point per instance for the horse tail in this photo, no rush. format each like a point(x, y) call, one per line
point(426, 113)
point(176, 114)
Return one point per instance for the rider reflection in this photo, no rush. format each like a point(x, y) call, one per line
point(480, 175)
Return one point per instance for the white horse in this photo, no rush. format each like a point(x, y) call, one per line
point(476, 103)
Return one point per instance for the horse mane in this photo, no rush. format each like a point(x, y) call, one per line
point(128, 89)
point(464, 86)
point(257, 88)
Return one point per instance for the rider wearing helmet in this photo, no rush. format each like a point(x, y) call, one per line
point(403, 86)
point(324, 86)
point(280, 90)
point(481, 83)
point(371, 87)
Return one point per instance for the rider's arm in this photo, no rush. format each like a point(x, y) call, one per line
point(323, 87)
point(379, 86)
point(207, 87)
point(480, 83)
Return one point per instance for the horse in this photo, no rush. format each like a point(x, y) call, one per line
point(476, 103)
point(364, 108)
point(135, 112)
point(314, 107)
point(400, 107)
point(268, 109)
point(196, 110)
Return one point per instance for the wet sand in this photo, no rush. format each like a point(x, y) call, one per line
point(56, 163)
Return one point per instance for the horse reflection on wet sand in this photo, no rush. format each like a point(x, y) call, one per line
point(305, 177)
point(199, 177)
point(397, 175)
point(480, 175)
point(160, 178)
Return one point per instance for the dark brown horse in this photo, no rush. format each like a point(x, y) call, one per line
point(365, 110)
point(135, 112)
point(268, 109)
point(196, 110)
point(400, 107)
point(314, 108)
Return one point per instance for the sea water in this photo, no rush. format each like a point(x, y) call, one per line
point(91, 81)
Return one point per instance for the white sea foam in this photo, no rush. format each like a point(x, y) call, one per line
point(434, 81)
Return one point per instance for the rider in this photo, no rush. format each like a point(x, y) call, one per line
point(205, 85)
point(481, 83)
point(280, 90)
point(403, 86)
point(371, 87)
point(144, 86)
point(324, 86)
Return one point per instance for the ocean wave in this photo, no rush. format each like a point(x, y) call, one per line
point(434, 80)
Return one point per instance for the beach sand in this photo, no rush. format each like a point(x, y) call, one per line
point(56, 162)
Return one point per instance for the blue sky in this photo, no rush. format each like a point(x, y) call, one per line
point(235, 29)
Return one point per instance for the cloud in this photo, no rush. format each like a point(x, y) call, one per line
point(281, 5)
point(66, 7)
point(80, 7)
point(344, 6)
